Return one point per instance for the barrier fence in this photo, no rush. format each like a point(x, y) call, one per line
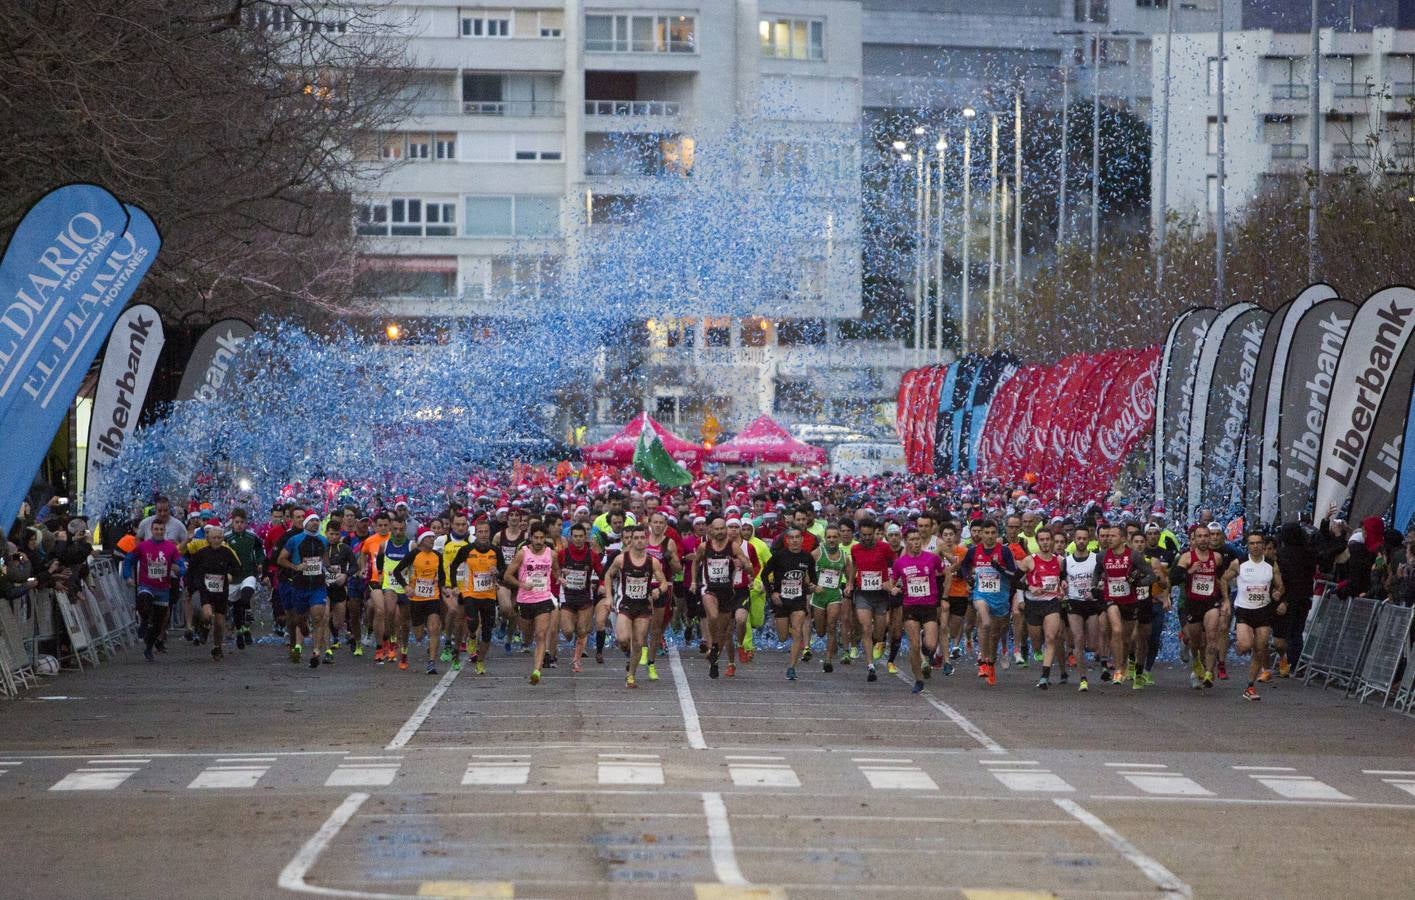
point(1362, 645)
point(86, 625)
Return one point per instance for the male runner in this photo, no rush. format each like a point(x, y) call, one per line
point(716, 560)
point(210, 573)
point(251, 553)
point(579, 569)
point(1083, 609)
point(1124, 574)
point(1259, 596)
point(872, 562)
point(790, 577)
point(835, 573)
point(303, 559)
point(151, 566)
point(662, 547)
point(993, 569)
point(1203, 601)
point(420, 575)
point(1043, 571)
point(474, 573)
point(641, 581)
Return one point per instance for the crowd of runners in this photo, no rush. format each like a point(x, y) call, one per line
point(848, 571)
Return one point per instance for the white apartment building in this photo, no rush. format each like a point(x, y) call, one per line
point(534, 122)
point(1365, 94)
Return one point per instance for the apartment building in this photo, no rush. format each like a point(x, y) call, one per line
point(1366, 96)
point(536, 124)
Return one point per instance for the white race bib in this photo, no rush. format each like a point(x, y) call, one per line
point(1116, 588)
point(829, 579)
point(1051, 584)
point(157, 570)
point(312, 567)
point(917, 586)
point(1080, 586)
point(791, 589)
point(989, 583)
point(575, 579)
point(636, 588)
point(1257, 595)
point(537, 581)
point(462, 574)
point(871, 581)
point(1202, 585)
point(331, 578)
point(425, 588)
point(717, 570)
point(214, 584)
point(483, 581)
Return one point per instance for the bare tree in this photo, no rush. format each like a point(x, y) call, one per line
point(237, 124)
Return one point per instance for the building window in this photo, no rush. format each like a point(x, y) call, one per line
point(1152, 4)
point(537, 216)
point(273, 17)
point(792, 38)
point(640, 34)
point(418, 147)
point(406, 217)
point(1092, 10)
point(487, 23)
point(1213, 75)
point(1115, 52)
point(538, 147)
point(445, 146)
point(550, 23)
point(1213, 196)
point(488, 217)
point(1212, 138)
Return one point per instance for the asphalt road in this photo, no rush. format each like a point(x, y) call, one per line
point(258, 778)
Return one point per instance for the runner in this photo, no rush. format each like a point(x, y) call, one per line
point(579, 569)
point(210, 573)
point(872, 562)
point(424, 598)
point(790, 577)
point(1156, 593)
point(303, 559)
point(1259, 596)
point(1083, 610)
point(662, 547)
point(916, 576)
point(959, 609)
point(474, 573)
point(641, 581)
point(1043, 571)
point(251, 553)
point(381, 602)
point(340, 566)
point(745, 579)
point(532, 574)
point(716, 560)
point(455, 623)
point(835, 573)
point(395, 596)
point(610, 544)
point(508, 541)
point(894, 537)
point(993, 570)
point(1203, 601)
point(151, 566)
point(1124, 573)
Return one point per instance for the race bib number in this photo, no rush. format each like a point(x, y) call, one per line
point(717, 570)
point(214, 584)
point(312, 567)
point(537, 581)
point(425, 588)
point(917, 586)
point(1202, 584)
point(508, 553)
point(483, 581)
point(791, 590)
point(1051, 584)
point(989, 583)
point(636, 588)
point(331, 578)
point(462, 574)
point(1257, 594)
point(1080, 585)
point(157, 570)
point(575, 579)
point(830, 579)
point(871, 581)
point(1117, 587)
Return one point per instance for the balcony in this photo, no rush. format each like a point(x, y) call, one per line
point(1347, 90)
point(1349, 152)
point(1402, 89)
point(1288, 158)
point(631, 108)
point(1290, 92)
point(514, 108)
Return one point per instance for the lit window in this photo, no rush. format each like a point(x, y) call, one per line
point(783, 38)
point(640, 34)
point(486, 23)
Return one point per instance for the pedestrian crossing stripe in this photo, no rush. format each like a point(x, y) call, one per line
point(482, 890)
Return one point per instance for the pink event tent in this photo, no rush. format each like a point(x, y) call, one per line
point(619, 450)
point(764, 441)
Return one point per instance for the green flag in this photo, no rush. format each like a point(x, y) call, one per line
point(651, 460)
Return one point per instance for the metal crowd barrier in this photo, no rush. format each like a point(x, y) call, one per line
point(1360, 644)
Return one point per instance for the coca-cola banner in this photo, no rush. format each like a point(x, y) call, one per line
point(1174, 391)
point(1260, 457)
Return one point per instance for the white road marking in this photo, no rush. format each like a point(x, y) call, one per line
point(1406, 786)
point(724, 856)
point(363, 774)
point(874, 759)
point(763, 775)
point(93, 780)
point(1032, 780)
point(1168, 883)
point(1173, 784)
point(497, 770)
point(419, 716)
point(1264, 769)
point(754, 758)
point(958, 719)
point(1130, 765)
point(898, 778)
point(1008, 762)
point(1300, 788)
point(630, 768)
point(292, 877)
point(235, 776)
point(691, 723)
point(1363, 771)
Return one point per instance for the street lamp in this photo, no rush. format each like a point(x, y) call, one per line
point(941, 146)
point(967, 218)
point(992, 232)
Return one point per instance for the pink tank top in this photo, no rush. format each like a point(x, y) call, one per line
point(534, 575)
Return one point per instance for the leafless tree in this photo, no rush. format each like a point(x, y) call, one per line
point(237, 124)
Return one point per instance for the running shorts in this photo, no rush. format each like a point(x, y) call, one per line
point(921, 612)
point(1195, 610)
point(1086, 609)
point(998, 607)
point(787, 607)
point(958, 606)
point(1145, 610)
point(420, 612)
point(154, 596)
point(299, 600)
point(531, 610)
point(877, 602)
point(1036, 611)
point(219, 603)
point(1128, 611)
point(1254, 618)
point(577, 603)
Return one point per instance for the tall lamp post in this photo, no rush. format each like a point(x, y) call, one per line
point(967, 219)
point(940, 147)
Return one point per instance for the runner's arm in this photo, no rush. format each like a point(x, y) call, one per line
point(508, 575)
point(1279, 590)
point(606, 584)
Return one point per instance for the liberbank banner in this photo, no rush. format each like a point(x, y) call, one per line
point(123, 381)
point(209, 368)
point(69, 269)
